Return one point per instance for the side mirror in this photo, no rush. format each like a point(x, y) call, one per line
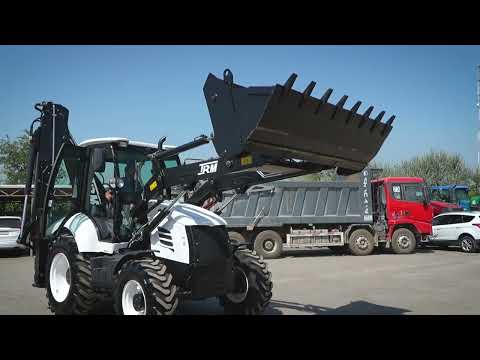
point(98, 160)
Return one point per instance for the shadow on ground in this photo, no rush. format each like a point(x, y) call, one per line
point(277, 307)
point(13, 253)
point(329, 253)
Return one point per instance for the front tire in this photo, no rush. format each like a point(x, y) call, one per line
point(468, 244)
point(253, 290)
point(144, 287)
point(403, 241)
point(69, 279)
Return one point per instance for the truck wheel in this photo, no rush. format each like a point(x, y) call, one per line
point(403, 241)
point(268, 244)
point(69, 279)
point(361, 242)
point(236, 237)
point(253, 285)
point(144, 287)
point(467, 243)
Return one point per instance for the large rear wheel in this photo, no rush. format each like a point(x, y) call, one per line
point(361, 242)
point(268, 244)
point(69, 279)
point(144, 287)
point(253, 285)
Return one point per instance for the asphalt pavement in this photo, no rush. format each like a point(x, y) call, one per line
point(431, 281)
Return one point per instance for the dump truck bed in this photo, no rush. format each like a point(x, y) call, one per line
point(291, 203)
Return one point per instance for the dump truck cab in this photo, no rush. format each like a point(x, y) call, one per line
point(403, 202)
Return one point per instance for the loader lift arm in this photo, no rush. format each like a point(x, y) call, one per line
point(210, 178)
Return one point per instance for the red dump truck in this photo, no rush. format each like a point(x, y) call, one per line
point(343, 216)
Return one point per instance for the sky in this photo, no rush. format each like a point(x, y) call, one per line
point(146, 92)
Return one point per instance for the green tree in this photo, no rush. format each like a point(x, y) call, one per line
point(14, 158)
point(436, 167)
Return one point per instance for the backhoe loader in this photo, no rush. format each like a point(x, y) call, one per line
point(137, 229)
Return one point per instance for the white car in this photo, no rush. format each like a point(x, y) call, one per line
point(9, 232)
point(457, 229)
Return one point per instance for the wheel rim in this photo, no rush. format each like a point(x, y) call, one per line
point(133, 299)
point(466, 245)
point(60, 277)
point(403, 241)
point(268, 245)
point(362, 242)
point(241, 287)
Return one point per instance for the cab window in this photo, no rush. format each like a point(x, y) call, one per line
point(414, 192)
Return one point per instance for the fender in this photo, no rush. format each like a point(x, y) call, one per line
point(86, 235)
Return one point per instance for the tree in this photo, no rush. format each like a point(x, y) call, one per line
point(14, 158)
point(436, 167)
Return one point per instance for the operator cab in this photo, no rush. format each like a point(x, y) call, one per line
point(119, 172)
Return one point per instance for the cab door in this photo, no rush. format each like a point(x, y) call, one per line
point(439, 227)
point(65, 190)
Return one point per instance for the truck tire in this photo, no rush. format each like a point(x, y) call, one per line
point(268, 244)
point(253, 285)
point(144, 287)
point(361, 242)
point(236, 237)
point(69, 279)
point(403, 241)
point(467, 244)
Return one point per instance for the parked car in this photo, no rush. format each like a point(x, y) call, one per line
point(9, 232)
point(457, 229)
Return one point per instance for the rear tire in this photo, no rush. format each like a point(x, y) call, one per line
point(403, 241)
point(468, 244)
point(361, 243)
point(254, 294)
point(69, 279)
point(268, 244)
point(144, 287)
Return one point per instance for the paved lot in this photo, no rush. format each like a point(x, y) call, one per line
point(431, 281)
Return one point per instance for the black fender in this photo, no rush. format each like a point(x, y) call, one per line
point(106, 267)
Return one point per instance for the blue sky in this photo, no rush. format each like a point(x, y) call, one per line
point(144, 92)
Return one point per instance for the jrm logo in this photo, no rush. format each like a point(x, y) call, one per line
point(208, 168)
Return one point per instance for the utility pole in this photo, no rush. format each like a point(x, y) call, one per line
point(478, 110)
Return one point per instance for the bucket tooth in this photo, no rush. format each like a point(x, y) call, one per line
point(289, 83)
point(307, 92)
point(377, 120)
point(353, 110)
point(365, 116)
point(388, 124)
point(324, 99)
point(339, 105)
point(326, 96)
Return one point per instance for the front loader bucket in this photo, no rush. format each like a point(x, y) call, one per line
point(283, 123)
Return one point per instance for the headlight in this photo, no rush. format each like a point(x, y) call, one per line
point(120, 183)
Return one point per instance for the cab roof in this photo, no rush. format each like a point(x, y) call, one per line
point(110, 140)
point(448, 187)
point(400, 180)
